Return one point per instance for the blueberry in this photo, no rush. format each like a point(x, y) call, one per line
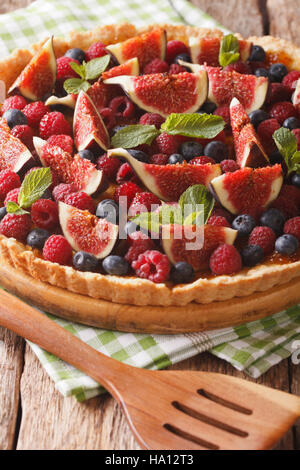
point(139, 155)
point(257, 54)
point(274, 219)
point(115, 265)
point(76, 53)
point(3, 212)
point(37, 238)
point(85, 261)
point(131, 227)
point(109, 210)
point(15, 117)
point(261, 72)
point(216, 150)
point(183, 57)
point(286, 245)
point(208, 107)
point(252, 255)
point(296, 180)
point(182, 273)
point(191, 150)
point(87, 155)
point(292, 123)
point(275, 157)
point(258, 116)
point(117, 129)
point(175, 158)
point(277, 72)
point(47, 194)
point(244, 224)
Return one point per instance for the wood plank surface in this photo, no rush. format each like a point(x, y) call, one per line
point(284, 18)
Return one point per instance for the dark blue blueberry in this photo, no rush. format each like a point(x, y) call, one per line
point(182, 273)
point(274, 219)
point(296, 180)
point(208, 107)
point(286, 245)
point(257, 54)
point(191, 150)
point(37, 238)
point(87, 155)
point(292, 123)
point(244, 224)
point(15, 117)
point(109, 210)
point(3, 212)
point(175, 158)
point(76, 53)
point(275, 157)
point(252, 255)
point(277, 72)
point(261, 72)
point(184, 57)
point(258, 116)
point(115, 265)
point(117, 129)
point(216, 150)
point(47, 194)
point(85, 261)
point(139, 155)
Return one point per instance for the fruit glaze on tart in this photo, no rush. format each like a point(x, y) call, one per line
point(158, 166)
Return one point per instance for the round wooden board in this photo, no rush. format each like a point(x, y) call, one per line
point(149, 319)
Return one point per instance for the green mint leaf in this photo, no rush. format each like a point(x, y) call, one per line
point(201, 126)
point(95, 67)
point(196, 204)
point(134, 135)
point(286, 143)
point(148, 221)
point(170, 215)
point(229, 50)
point(75, 85)
point(34, 186)
point(295, 163)
point(14, 208)
point(79, 69)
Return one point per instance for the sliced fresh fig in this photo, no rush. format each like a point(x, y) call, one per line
point(98, 92)
point(248, 191)
point(131, 67)
point(194, 244)
point(85, 232)
point(69, 101)
point(38, 77)
point(296, 96)
point(248, 148)
point(88, 126)
point(14, 155)
point(165, 94)
point(206, 50)
point(146, 47)
point(168, 182)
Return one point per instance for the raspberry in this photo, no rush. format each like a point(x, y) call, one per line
point(34, 112)
point(291, 192)
point(44, 214)
point(142, 202)
point(80, 200)
point(109, 166)
point(225, 260)
point(16, 226)
point(159, 159)
point(57, 250)
point(128, 190)
point(134, 236)
point(175, 48)
point(65, 142)
point(12, 196)
point(218, 220)
point(122, 107)
point(95, 50)
point(224, 112)
point(14, 102)
point(25, 134)
point(264, 237)
point(240, 67)
point(265, 131)
point(64, 69)
point(156, 66)
point(277, 92)
point(202, 161)
point(167, 144)
point(176, 68)
point(287, 206)
point(108, 117)
point(152, 265)
point(222, 213)
point(292, 227)
point(290, 80)
point(296, 133)
point(8, 180)
point(54, 123)
point(152, 119)
point(229, 166)
point(126, 173)
point(138, 247)
point(282, 111)
point(61, 191)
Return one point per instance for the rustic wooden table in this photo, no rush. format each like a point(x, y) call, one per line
point(33, 415)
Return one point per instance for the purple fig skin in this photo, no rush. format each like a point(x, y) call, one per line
point(211, 188)
point(103, 185)
point(28, 164)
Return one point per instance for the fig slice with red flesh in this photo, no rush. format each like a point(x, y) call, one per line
point(88, 126)
point(194, 244)
point(248, 148)
point(130, 67)
point(168, 182)
point(38, 77)
point(206, 50)
point(14, 155)
point(98, 92)
point(165, 94)
point(296, 96)
point(248, 191)
point(145, 48)
point(85, 232)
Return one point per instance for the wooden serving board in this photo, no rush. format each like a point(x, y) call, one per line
point(149, 319)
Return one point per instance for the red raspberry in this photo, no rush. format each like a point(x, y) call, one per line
point(122, 107)
point(109, 166)
point(138, 247)
point(265, 131)
point(81, 200)
point(64, 69)
point(264, 237)
point(34, 112)
point(166, 143)
point(240, 67)
point(229, 166)
point(282, 111)
point(218, 220)
point(175, 48)
point(57, 250)
point(152, 265)
point(134, 236)
point(25, 134)
point(225, 260)
point(152, 119)
point(290, 192)
point(175, 69)
point(128, 190)
point(296, 133)
point(96, 50)
point(16, 226)
point(142, 202)
point(159, 159)
point(108, 117)
point(290, 80)
point(278, 92)
point(202, 161)
point(12, 196)
point(126, 173)
point(54, 123)
point(8, 180)
point(61, 191)
point(292, 227)
point(65, 142)
point(222, 213)
point(224, 112)
point(156, 66)
point(287, 206)
point(44, 214)
point(14, 102)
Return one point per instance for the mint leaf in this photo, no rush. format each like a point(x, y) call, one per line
point(34, 186)
point(95, 67)
point(14, 208)
point(134, 135)
point(229, 50)
point(201, 126)
point(75, 85)
point(286, 143)
point(196, 204)
point(170, 215)
point(148, 221)
point(79, 69)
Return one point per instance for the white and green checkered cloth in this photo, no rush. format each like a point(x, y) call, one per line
point(254, 347)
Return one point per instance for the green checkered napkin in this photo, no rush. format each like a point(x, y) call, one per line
point(254, 347)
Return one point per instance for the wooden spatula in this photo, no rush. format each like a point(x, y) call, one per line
point(167, 409)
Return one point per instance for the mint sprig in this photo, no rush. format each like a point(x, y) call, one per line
point(229, 50)
point(86, 71)
point(286, 143)
point(134, 135)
